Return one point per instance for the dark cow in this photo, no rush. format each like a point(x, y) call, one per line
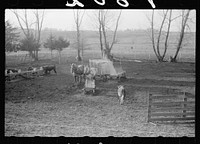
point(47, 69)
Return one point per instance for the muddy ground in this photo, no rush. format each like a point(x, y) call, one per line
point(53, 106)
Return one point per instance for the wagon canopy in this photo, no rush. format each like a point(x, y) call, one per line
point(103, 66)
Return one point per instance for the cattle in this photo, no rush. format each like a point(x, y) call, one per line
point(8, 77)
point(121, 94)
point(33, 70)
point(47, 69)
point(10, 71)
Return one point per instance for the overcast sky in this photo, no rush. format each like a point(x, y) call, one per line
point(63, 19)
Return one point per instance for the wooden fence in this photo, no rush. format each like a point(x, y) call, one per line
point(172, 107)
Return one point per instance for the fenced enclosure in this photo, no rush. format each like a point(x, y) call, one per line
point(173, 107)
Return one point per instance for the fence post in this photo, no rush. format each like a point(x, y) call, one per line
point(149, 107)
point(184, 105)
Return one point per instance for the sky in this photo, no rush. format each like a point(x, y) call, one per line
point(63, 19)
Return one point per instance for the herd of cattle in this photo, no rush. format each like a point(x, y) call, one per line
point(12, 73)
point(79, 72)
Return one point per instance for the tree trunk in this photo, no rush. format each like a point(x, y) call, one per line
point(107, 54)
point(36, 55)
point(78, 21)
point(82, 48)
point(184, 22)
point(167, 36)
point(160, 58)
point(78, 45)
point(152, 35)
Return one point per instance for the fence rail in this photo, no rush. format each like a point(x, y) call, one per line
point(180, 106)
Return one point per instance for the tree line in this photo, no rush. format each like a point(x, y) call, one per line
point(102, 19)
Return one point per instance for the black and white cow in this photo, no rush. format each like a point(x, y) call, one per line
point(9, 72)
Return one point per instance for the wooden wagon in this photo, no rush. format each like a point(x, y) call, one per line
point(106, 69)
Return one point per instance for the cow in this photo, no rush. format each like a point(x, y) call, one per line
point(47, 69)
point(11, 71)
point(121, 94)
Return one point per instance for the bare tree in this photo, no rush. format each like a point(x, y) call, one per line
point(26, 25)
point(184, 20)
point(83, 45)
point(39, 22)
point(105, 46)
point(166, 19)
point(78, 17)
point(11, 37)
point(156, 46)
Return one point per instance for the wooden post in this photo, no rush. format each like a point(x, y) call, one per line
point(149, 107)
point(184, 105)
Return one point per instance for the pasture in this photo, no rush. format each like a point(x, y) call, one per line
point(53, 105)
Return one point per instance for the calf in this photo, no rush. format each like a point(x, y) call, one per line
point(121, 93)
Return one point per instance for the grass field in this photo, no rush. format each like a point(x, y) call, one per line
point(53, 106)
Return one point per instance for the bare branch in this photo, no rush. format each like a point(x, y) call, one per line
point(18, 18)
point(160, 31)
point(115, 29)
point(82, 17)
point(167, 36)
point(152, 32)
point(176, 17)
